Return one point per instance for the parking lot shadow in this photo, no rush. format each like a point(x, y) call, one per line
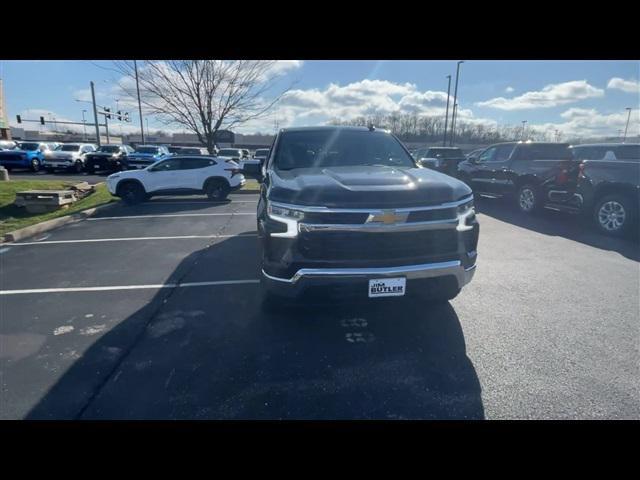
point(554, 223)
point(210, 352)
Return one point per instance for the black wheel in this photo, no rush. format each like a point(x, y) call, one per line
point(217, 190)
point(91, 170)
point(132, 193)
point(615, 215)
point(78, 167)
point(528, 199)
point(35, 165)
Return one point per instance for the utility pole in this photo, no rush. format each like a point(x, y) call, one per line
point(524, 125)
point(106, 126)
point(557, 135)
point(95, 114)
point(455, 106)
point(84, 126)
point(627, 127)
point(135, 65)
point(446, 116)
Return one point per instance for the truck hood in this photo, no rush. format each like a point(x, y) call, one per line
point(63, 155)
point(143, 156)
point(365, 187)
point(102, 154)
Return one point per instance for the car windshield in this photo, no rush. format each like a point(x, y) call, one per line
point(29, 146)
point(261, 153)
point(69, 148)
point(228, 152)
point(152, 150)
point(445, 152)
point(334, 148)
point(109, 149)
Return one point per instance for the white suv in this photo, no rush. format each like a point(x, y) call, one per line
point(179, 175)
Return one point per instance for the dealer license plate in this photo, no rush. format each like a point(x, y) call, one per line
point(387, 287)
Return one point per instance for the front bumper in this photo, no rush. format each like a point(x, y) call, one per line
point(348, 278)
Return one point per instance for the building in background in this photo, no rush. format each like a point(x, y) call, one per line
point(5, 131)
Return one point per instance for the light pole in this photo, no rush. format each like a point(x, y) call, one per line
point(84, 126)
point(446, 115)
point(455, 106)
point(146, 120)
point(524, 125)
point(627, 127)
point(95, 113)
point(135, 66)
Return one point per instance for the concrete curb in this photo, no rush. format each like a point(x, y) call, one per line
point(41, 227)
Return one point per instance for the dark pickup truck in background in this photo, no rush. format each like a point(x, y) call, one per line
point(524, 171)
point(442, 159)
point(112, 158)
point(604, 184)
point(347, 210)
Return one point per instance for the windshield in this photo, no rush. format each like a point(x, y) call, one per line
point(29, 146)
point(335, 148)
point(109, 149)
point(152, 150)
point(69, 148)
point(445, 152)
point(229, 152)
point(261, 153)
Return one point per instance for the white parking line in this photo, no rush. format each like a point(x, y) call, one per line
point(127, 287)
point(170, 215)
point(131, 239)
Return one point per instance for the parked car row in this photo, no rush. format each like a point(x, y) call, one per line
point(87, 157)
point(600, 181)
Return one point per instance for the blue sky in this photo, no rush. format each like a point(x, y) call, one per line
point(576, 97)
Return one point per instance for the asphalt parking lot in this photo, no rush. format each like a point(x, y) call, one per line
point(152, 312)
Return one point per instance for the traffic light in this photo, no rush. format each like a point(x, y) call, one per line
point(108, 110)
point(119, 115)
point(41, 120)
point(19, 119)
point(126, 116)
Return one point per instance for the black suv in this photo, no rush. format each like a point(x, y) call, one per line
point(528, 171)
point(347, 210)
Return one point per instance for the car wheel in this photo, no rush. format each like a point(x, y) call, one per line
point(527, 199)
point(132, 193)
point(91, 170)
point(78, 167)
point(615, 215)
point(217, 190)
point(35, 165)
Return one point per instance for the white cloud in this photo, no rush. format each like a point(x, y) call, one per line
point(550, 96)
point(588, 122)
point(509, 89)
point(629, 86)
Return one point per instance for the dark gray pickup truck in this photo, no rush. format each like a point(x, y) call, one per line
point(347, 211)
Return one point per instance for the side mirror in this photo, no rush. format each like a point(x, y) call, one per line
point(429, 162)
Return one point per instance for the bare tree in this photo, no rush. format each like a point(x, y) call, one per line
point(203, 96)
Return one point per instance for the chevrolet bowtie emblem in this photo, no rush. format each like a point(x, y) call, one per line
point(387, 217)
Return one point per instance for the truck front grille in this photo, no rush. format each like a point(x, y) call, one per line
point(377, 246)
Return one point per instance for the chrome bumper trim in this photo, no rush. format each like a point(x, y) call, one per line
point(411, 272)
point(380, 227)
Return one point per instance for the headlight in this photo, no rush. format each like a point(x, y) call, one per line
point(290, 217)
point(465, 207)
point(280, 211)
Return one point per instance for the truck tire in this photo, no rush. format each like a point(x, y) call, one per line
point(131, 193)
point(217, 190)
point(78, 167)
point(91, 169)
point(528, 199)
point(615, 215)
